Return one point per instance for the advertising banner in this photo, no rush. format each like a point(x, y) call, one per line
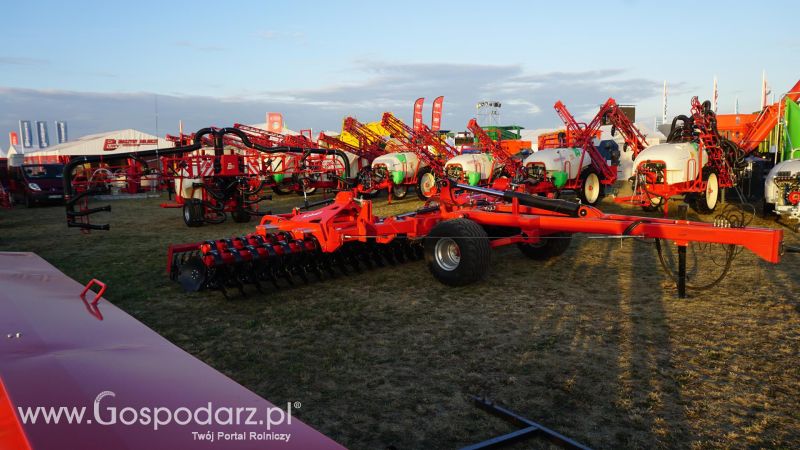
point(41, 134)
point(13, 138)
point(418, 114)
point(61, 131)
point(26, 133)
point(436, 113)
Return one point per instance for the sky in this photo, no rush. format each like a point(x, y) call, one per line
point(104, 66)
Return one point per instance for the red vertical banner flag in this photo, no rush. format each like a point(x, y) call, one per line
point(13, 138)
point(275, 122)
point(418, 113)
point(436, 113)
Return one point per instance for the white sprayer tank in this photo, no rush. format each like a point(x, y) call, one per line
point(681, 160)
point(405, 162)
point(773, 192)
point(480, 163)
point(333, 162)
point(560, 159)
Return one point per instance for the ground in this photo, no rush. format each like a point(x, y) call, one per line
point(594, 344)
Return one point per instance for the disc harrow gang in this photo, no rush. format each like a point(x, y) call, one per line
point(279, 259)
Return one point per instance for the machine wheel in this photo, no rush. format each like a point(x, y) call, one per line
point(193, 213)
point(457, 252)
point(767, 209)
point(29, 202)
point(549, 247)
point(426, 183)
point(655, 204)
point(280, 191)
point(369, 195)
point(706, 202)
point(240, 215)
point(399, 191)
point(591, 188)
point(305, 187)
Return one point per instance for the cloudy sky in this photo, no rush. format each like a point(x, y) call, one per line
point(145, 65)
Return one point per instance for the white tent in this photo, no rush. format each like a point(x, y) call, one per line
point(107, 144)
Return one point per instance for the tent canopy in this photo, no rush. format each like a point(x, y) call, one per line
point(107, 144)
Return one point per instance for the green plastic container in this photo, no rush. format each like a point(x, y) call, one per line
point(473, 178)
point(398, 176)
point(559, 178)
point(278, 177)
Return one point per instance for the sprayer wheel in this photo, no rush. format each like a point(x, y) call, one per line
point(591, 188)
point(426, 184)
point(549, 247)
point(193, 213)
point(457, 252)
point(399, 191)
point(239, 215)
point(706, 201)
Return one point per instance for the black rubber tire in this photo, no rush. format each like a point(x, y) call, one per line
point(698, 201)
point(472, 245)
point(239, 215)
point(280, 191)
point(193, 213)
point(29, 202)
point(369, 195)
point(420, 176)
point(588, 174)
point(767, 210)
point(399, 191)
point(549, 247)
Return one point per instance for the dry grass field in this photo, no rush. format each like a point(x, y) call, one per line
point(594, 344)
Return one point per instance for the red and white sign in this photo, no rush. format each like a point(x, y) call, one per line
point(436, 113)
point(113, 144)
point(275, 122)
point(418, 113)
point(13, 138)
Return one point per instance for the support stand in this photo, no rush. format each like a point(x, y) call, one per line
point(528, 429)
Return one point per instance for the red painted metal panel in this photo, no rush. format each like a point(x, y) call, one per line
point(64, 351)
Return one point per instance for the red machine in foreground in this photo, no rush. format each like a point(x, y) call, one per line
point(455, 238)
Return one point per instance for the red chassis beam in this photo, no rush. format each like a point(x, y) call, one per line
point(350, 220)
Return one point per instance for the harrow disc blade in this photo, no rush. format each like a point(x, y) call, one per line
point(193, 275)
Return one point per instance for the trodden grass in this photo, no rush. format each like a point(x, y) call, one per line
point(594, 344)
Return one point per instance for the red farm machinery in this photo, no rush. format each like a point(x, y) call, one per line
point(370, 146)
point(421, 163)
point(208, 186)
point(582, 168)
point(697, 162)
point(454, 236)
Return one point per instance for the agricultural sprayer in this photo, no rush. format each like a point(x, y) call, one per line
point(421, 163)
point(208, 185)
point(697, 161)
point(455, 237)
point(581, 168)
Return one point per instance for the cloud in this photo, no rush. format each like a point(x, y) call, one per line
point(527, 99)
point(273, 35)
point(201, 47)
point(22, 61)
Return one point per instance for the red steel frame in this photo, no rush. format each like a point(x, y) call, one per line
point(348, 219)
